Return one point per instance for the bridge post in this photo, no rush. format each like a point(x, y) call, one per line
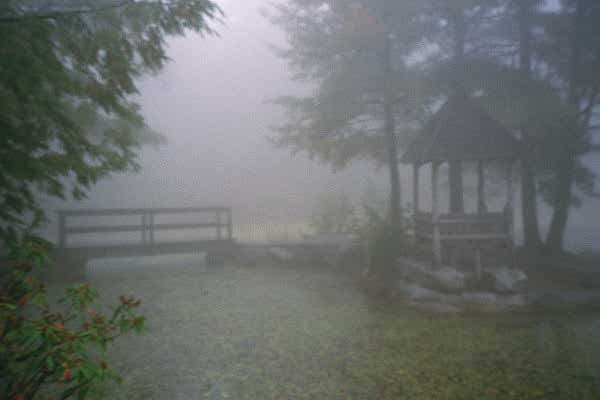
point(219, 235)
point(144, 229)
point(151, 225)
point(229, 225)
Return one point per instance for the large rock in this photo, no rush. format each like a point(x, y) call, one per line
point(506, 280)
point(431, 300)
point(330, 248)
point(494, 301)
point(280, 254)
point(413, 292)
point(341, 241)
point(428, 300)
point(562, 298)
point(444, 279)
point(435, 307)
point(253, 255)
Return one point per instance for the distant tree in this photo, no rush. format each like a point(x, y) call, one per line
point(520, 56)
point(549, 95)
point(512, 92)
point(532, 65)
point(570, 52)
point(67, 73)
point(531, 235)
point(354, 55)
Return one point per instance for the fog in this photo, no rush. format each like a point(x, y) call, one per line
point(212, 104)
point(231, 268)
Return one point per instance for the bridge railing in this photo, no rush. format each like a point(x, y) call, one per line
point(222, 223)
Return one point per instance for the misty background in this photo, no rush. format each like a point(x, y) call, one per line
point(211, 102)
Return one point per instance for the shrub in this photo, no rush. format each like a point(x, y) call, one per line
point(333, 214)
point(57, 349)
point(385, 242)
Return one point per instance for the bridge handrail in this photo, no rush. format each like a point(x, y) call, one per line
point(91, 212)
point(147, 225)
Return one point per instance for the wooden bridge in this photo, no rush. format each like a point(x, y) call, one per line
point(215, 221)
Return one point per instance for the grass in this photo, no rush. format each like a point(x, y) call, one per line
point(272, 332)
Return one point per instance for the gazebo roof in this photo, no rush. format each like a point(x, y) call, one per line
point(461, 130)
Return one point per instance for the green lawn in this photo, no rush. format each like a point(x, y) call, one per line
point(273, 332)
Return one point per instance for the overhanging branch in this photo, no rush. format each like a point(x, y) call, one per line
point(73, 11)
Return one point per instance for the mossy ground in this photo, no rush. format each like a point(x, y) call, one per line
point(273, 332)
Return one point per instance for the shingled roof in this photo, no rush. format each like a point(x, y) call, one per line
point(461, 130)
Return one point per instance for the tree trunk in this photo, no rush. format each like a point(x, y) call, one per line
point(525, 37)
point(566, 165)
point(531, 231)
point(562, 203)
point(390, 135)
point(455, 166)
point(460, 33)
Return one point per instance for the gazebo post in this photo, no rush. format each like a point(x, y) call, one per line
point(435, 213)
point(510, 208)
point(481, 206)
point(416, 167)
point(455, 178)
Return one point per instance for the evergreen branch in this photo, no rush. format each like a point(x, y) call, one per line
point(73, 12)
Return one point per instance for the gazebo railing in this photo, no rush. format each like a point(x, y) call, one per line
point(463, 226)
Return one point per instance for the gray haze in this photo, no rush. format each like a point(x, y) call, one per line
point(211, 104)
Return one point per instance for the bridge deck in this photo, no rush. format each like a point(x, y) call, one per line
point(134, 250)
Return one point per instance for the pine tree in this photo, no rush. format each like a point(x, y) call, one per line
point(364, 98)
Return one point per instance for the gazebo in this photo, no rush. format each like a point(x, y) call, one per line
point(461, 131)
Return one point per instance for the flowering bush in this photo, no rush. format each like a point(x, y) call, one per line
point(54, 349)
